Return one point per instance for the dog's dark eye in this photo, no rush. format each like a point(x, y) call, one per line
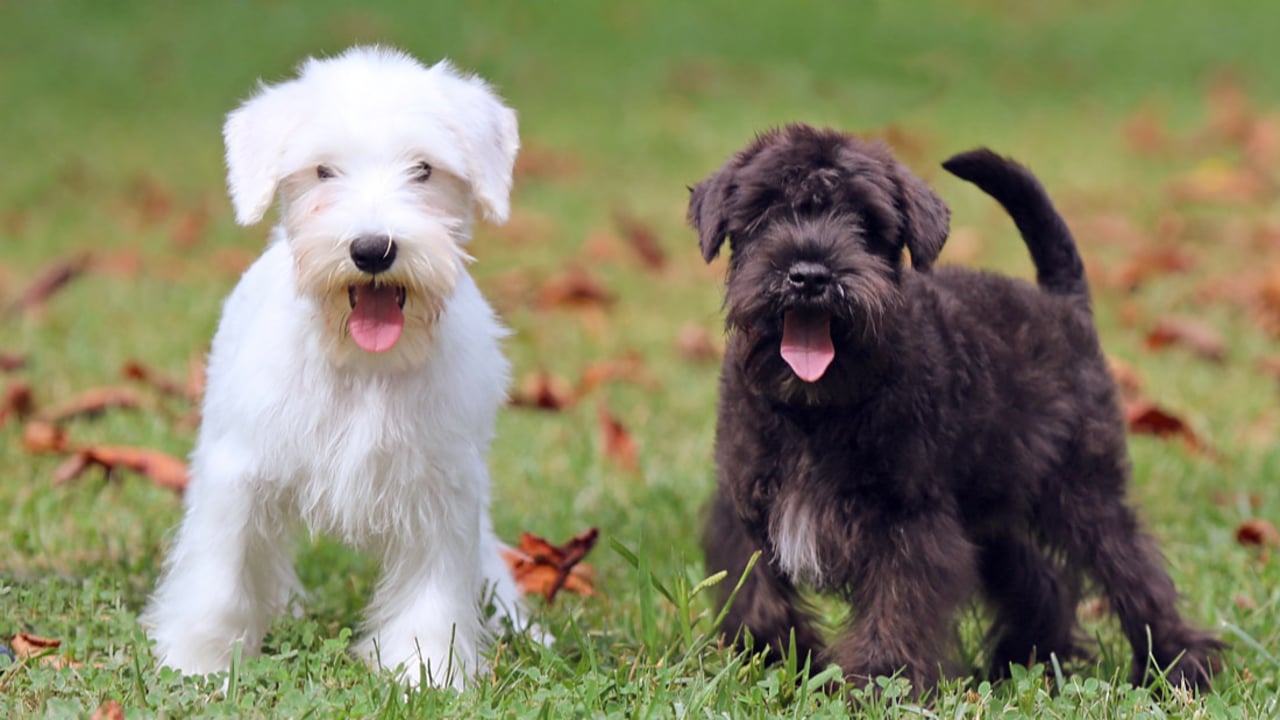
point(324, 172)
point(422, 172)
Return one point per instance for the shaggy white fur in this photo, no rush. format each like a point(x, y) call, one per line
point(350, 389)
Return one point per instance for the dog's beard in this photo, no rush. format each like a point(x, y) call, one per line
point(391, 314)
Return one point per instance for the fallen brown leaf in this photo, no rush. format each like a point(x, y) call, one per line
point(1258, 533)
point(10, 362)
point(190, 228)
point(26, 646)
point(575, 287)
point(17, 403)
point(1267, 300)
point(543, 568)
point(152, 200)
point(642, 238)
point(109, 710)
point(1146, 132)
point(94, 402)
point(543, 391)
point(123, 263)
point(619, 445)
point(189, 389)
point(539, 162)
point(629, 367)
point(48, 281)
point(1146, 418)
point(39, 436)
point(1195, 335)
point(161, 468)
point(1150, 262)
point(694, 343)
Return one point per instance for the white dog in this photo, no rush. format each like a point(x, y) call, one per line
point(356, 373)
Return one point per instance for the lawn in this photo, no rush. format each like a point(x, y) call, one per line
point(1154, 123)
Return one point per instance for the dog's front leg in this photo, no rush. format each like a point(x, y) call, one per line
point(228, 575)
point(768, 605)
point(425, 615)
point(911, 575)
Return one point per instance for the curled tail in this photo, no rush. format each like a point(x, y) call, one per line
point(1059, 269)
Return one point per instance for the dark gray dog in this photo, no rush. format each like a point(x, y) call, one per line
point(906, 437)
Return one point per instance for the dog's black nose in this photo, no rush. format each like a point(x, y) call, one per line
point(808, 278)
point(373, 253)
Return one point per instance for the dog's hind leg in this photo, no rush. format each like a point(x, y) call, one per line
point(768, 605)
point(1034, 604)
point(1103, 534)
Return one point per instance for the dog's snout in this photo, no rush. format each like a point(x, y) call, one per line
point(373, 253)
point(809, 278)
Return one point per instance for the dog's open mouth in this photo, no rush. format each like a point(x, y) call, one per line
point(806, 343)
point(377, 315)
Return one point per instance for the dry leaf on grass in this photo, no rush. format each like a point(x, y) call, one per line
point(619, 446)
point(542, 568)
point(1151, 262)
point(190, 228)
point(1146, 132)
point(575, 287)
point(109, 710)
point(642, 238)
point(543, 391)
point(40, 436)
point(539, 162)
point(1260, 534)
point(1146, 418)
point(1195, 335)
point(17, 403)
point(53, 278)
point(26, 646)
point(96, 401)
point(11, 361)
point(629, 367)
point(160, 467)
point(189, 389)
point(694, 344)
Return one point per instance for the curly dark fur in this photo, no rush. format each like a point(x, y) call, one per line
point(965, 439)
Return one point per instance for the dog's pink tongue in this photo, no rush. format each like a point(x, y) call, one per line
point(806, 343)
point(376, 320)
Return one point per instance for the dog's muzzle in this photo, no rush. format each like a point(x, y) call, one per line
point(377, 308)
point(806, 332)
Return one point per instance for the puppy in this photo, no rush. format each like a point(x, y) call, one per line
point(907, 437)
point(356, 373)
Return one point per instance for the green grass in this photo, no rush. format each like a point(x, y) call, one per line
point(108, 104)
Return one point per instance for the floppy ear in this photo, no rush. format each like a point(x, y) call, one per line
point(926, 219)
point(708, 213)
point(489, 136)
point(255, 136)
